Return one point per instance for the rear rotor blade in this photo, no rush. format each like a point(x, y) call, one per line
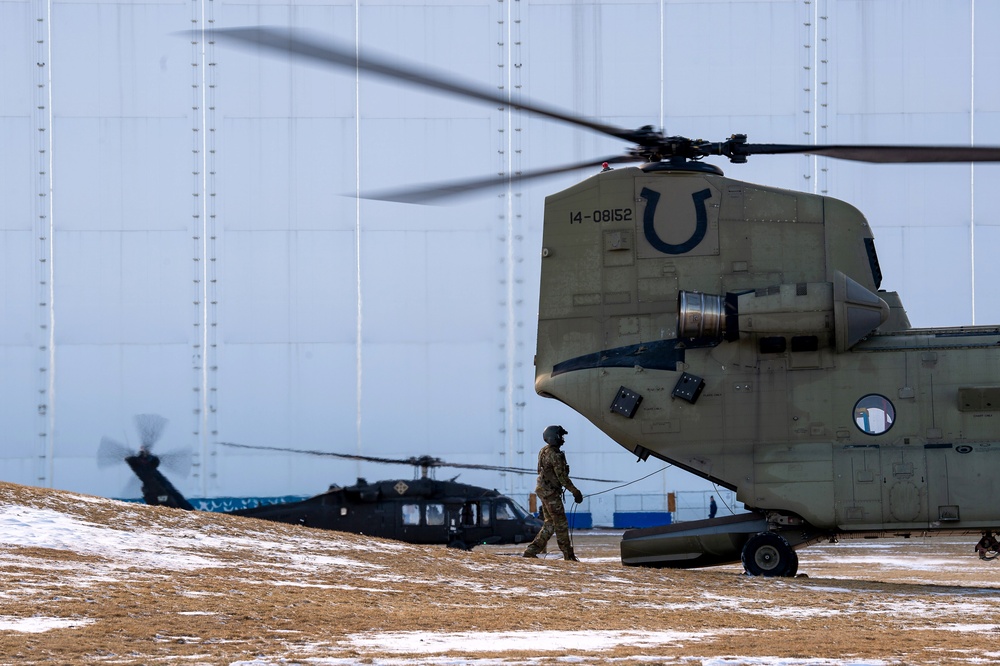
point(325, 50)
point(179, 462)
point(111, 452)
point(431, 193)
point(882, 154)
point(150, 427)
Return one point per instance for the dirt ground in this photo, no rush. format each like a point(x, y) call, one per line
point(90, 581)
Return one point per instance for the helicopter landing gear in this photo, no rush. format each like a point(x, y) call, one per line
point(768, 554)
point(459, 545)
point(988, 547)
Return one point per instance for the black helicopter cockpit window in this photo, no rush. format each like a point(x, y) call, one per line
point(507, 510)
point(434, 514)
point(411, 514)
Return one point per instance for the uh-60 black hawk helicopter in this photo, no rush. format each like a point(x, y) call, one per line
point(740, 332)
point(422, 510)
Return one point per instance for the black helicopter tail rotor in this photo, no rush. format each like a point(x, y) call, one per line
point(144, 463)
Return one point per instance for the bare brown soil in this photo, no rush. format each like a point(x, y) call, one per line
point(239, 590)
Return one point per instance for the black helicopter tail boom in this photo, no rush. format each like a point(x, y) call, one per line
point(156, 488)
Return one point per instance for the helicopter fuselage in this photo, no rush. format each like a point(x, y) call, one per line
point(420, 511)
point(739, 332)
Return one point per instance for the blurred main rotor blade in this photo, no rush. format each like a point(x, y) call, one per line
point(431, 193)
point(883, 154)
point(285, 40)
point(345, 456)
point(426, 461)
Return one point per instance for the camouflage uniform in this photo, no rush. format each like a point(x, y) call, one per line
point(553, 476)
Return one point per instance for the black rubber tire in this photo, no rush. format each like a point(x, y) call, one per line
point(793, 565)
point(768, 554)
point(459, 545)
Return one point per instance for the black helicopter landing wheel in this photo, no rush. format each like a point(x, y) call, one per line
point(768, 554)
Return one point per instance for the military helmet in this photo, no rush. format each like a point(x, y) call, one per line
point(554, 434)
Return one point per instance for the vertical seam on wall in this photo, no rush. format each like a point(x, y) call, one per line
point(357, 228)
point(204, 232)
point(45, 229)
point(972, 165)
point(517, 236)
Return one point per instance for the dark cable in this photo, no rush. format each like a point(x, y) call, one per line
point(573, 510)
point(630, 482)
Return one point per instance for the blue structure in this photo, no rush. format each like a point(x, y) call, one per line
point(634, 519)
point(226, 504)
point(580, 520)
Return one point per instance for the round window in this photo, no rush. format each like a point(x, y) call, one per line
point(874, 414)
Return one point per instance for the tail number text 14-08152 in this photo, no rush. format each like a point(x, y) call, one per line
point(602, 215)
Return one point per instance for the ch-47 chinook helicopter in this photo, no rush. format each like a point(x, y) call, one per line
point(740, 332)
point(423, 510)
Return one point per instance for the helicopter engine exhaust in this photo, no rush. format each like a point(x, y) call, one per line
point(700, 315)
point(843, 308)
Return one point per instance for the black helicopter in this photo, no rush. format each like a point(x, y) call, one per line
point(420, 511)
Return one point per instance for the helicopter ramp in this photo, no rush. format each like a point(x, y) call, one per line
point(697, 543)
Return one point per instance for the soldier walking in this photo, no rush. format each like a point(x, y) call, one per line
point(553, 476)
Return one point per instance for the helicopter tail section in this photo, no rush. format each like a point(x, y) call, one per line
point(156, 488)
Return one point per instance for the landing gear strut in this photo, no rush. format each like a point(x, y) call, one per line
point(768, 554)
point(988, 547)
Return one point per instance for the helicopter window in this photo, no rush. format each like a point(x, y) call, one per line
point(873, 262)
point(519, 510)
point(484, 513)
point(411, 514)
point(805, 343)
point(506, 511)
point(772, 345)
point(874, 414)
point(470, 514)
point(435, 514)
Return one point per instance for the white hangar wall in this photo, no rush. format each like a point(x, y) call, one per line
point(176, 237)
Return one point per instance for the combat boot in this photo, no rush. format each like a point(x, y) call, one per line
point(530, 551)
point(571, 556)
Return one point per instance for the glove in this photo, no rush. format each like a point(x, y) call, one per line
point(577, 496)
